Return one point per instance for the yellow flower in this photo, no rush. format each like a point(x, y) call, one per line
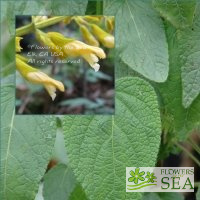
point(75, 48)
point(109, 22)
point(46, 41)
point(105, 38)
point(88, 37)
point(89, 53)
point(17, 44)
point(93, 19)
point(67, 20)
point(36, 76)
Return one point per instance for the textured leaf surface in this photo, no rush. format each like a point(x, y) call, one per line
point(140, 38)
point(59, 182)
point(179, 12)
point(183, 120)
point(69, 7)
point(26, 147)
point(39, 7)
point(101, 147)
point(189, 42)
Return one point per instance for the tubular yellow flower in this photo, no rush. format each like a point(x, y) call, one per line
point(88, 37)
point(93, 19)
point(17, 44)
point(59, 39)
point(75, 48)
point(46, 41)
point(89, 53)
point(37, 77)
point(109, 22)
point(67, 20)
point(105, 38)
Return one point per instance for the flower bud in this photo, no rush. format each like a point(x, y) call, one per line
point(75, 48)
point(105, 38)
point(35, 76)
point(109, 22)
point(88, 37)
point(46, 41)
point(93, 19)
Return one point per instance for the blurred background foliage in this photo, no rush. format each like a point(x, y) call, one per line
point(86, 91)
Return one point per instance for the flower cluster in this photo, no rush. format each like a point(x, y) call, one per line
point(66, 47)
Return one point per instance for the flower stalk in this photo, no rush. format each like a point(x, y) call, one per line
point(42, 24)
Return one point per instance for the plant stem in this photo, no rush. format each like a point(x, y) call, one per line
point(188, 153)
point(194, 145)
point(98, 8)
point(30, 28)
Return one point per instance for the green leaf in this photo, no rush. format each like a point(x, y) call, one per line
point(170, 196)
point(101, 147)
point(140, 37)
point(198, 193)
point(78, 193)
point(189, 43)
point(59, 182)
point(26, 147)
point(3, 7)
point(163, 196)
point(22, 7)
point(179, 13)
point(14, 8)
point(151, 196)
point(69, 7)
point(183, 120)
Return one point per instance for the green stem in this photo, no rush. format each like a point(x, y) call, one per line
point(188, 153)
point(98, 8)
point(194, 145)
point(30, 28)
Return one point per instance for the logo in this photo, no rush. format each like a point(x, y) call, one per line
point(159, 179)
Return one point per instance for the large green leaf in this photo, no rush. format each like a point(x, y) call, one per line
point(182, 120)
point(101, 147)
point(21, 7)
point(39, 7)
point(69, 7)
point(179, 12)
point(189, 42)
point(59, 182)
point(26, 147)
point(140, 37)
